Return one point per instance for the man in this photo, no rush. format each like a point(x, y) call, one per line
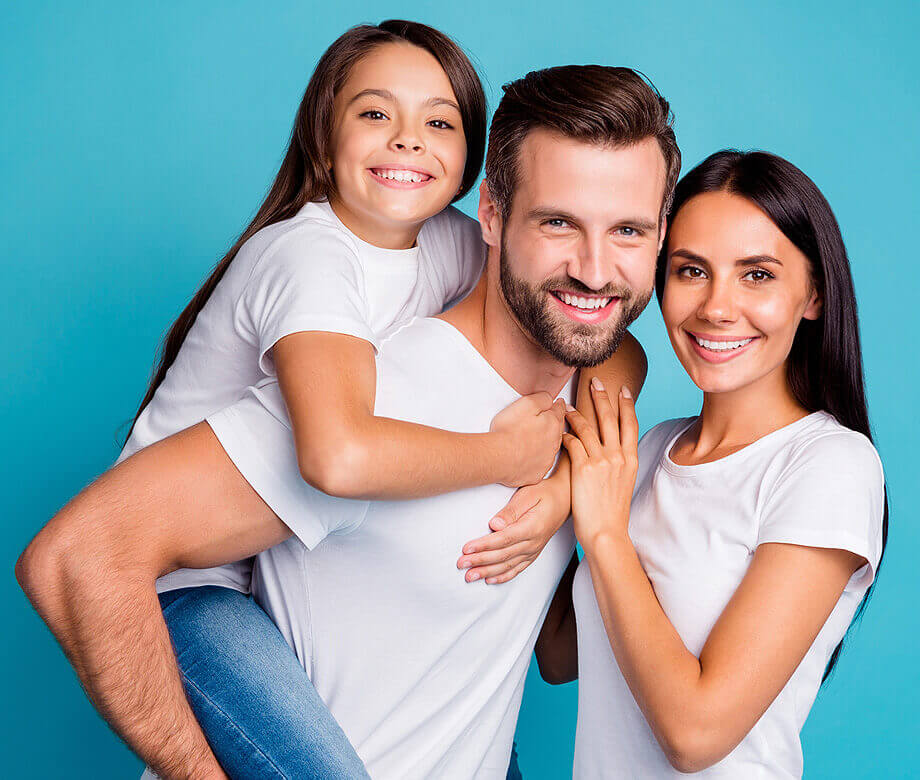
point(423, 671)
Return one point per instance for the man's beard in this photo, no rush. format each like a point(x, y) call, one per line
point(574, 344)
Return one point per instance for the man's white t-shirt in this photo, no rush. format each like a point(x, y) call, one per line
point(423, 671)
point(305, 273)
point(695, 528)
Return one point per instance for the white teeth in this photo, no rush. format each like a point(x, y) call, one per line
point(721, 346)
point(588, 304)
point(395, 175)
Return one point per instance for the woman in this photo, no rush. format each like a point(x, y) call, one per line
point(713, 598)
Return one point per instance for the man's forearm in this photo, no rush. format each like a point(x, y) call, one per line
point(111, 628)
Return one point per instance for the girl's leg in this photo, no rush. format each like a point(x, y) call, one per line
point(255, 703)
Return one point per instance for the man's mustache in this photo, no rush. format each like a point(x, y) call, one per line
point(575, 287)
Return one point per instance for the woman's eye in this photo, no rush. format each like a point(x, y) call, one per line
point(441, 124)
point(758, 275)
point(690, 272)
point(374, 115)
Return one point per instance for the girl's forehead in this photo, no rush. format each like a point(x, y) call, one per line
point(402, 70)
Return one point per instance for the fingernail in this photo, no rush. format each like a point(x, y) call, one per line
point(596, 383)
point(498, 523)
point(624, 391)
point(569, 408)
point(472, 577)
point(463, 563)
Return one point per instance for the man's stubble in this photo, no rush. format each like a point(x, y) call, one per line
point(571, 343)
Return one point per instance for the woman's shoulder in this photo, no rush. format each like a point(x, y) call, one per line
point(821, 442)
point(657, 437)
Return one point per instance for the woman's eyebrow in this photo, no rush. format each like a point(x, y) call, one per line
point(686, 253)
point(757, 260)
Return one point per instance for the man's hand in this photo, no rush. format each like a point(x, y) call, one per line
point(531, 433)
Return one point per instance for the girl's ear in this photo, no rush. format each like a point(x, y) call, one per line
point(489, 217)
point(815, 305)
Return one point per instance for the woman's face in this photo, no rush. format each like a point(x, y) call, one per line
point(735, 291)
point(398, 148)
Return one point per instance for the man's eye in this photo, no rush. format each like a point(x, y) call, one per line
point(374, 115)
point(629, 232)
point(556, 222)
point(441, 124)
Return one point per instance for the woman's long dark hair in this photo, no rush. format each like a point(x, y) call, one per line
point(825, 369)
point(303, 176)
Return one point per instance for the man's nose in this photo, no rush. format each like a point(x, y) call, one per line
point(592, 264)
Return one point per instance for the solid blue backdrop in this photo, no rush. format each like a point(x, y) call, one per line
point(138, 140)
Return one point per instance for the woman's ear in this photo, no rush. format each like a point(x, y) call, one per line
point(815, 305)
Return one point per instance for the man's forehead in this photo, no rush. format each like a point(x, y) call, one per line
point(564, 172)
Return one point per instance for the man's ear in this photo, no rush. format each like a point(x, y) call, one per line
point(815, 306)
point(490, 220)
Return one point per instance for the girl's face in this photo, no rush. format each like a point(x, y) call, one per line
point(735, 291)
point(398, 148)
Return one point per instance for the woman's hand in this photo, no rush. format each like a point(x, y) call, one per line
point(604, 465)
point(519, 533)
point(530, 433)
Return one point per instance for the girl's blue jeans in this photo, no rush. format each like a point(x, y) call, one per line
point(255, 703)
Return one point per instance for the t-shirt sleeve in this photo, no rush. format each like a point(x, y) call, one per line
point(308, 279)
point(256, 435)
point(830, 494)
point(454, 247)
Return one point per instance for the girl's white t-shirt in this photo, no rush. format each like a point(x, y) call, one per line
point(305, 273)
point(695, 529)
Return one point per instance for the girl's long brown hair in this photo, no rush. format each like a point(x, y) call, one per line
point(303, 176)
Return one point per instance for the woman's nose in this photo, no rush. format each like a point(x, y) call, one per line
point(718, 305)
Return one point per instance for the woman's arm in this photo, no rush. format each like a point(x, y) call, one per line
point(91, 571)
point(524, 526)
point(698, 708)
point(328, 381)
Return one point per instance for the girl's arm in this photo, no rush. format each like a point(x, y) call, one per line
point(698, 708)
point(557, 644)
point(524, 526)
point(328, 381)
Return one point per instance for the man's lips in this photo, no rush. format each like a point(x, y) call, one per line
point(584, 308)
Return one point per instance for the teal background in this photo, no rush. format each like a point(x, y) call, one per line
point(138, 140)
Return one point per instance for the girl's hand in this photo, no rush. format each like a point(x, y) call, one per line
point(529, 432)
point(520, 532)
point(603, 466)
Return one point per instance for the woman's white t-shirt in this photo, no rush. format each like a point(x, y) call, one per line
point(305, 273)
point(695, 528)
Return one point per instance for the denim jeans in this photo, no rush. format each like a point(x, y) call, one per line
point(255, 703)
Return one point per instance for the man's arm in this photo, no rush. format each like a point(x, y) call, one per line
point(91, 572)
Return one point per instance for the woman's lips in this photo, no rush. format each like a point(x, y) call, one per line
point(720, 355)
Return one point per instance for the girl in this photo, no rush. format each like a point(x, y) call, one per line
point(354, 238)
point(713, 599)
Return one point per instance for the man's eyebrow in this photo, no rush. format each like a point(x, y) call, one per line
point(547, 212)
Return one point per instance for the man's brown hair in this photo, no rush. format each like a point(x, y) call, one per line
point(591, 103)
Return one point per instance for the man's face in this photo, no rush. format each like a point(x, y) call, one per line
point(578, 250)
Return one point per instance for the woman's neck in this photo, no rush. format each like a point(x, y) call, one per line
point(732, 420)
point(379, 233)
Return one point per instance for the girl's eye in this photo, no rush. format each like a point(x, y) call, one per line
point(690, 272)
point(376, 115)
point(441, 124)
point(758, 275)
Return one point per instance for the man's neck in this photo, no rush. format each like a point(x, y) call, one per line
point(484, 319)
